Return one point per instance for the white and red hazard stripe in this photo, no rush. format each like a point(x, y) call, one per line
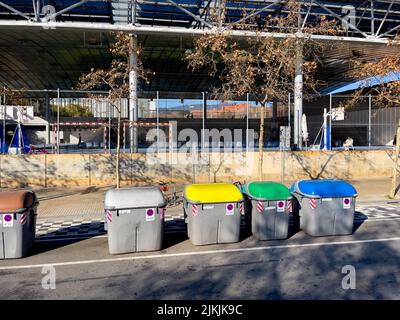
point(260, 206)
point(195, 209)
point(313, 203)
point(289, 205)
point(109, 216)
point(80, 124)
point(241, 208)
point(23, 218)
point(162, 213)
point(146, 124)
point(55, 137)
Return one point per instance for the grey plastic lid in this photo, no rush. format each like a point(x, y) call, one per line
point(131, 198)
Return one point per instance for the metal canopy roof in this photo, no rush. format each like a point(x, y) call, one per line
point(196, 13)
point(364, 83)
point(50, 45)
point(49, 59)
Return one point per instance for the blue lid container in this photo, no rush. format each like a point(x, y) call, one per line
point(324, 188)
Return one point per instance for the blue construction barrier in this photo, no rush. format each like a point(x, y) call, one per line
point(15, 142)
point(328, 139)
point(3, 145)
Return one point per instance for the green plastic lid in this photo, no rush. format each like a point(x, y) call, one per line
point(266, 190)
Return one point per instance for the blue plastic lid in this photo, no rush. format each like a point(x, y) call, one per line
point(324, 188)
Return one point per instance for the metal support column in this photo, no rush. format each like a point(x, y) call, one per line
point(372, 18)
point(133, 10)
point(133, 107)
point(298, 97)
point(369, 120)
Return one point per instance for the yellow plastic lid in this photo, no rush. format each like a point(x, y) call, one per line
point(212, 193)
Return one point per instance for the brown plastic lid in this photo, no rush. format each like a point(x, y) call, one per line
point(11, 201)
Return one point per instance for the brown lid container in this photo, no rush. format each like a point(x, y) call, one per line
point(10, 201)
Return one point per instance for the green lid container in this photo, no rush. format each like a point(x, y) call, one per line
point(267, 190)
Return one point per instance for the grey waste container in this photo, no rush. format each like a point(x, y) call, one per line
point(18, 211)
point(267, 208)
point(212, 213)
point(134, 219)
point(326, 207)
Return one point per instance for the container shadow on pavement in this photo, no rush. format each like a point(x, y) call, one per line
point(65, 236)
point(175, 232)
point(361, 219)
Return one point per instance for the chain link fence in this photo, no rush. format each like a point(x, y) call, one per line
point(89, 123)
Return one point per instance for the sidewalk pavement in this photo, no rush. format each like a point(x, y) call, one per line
point(86, 203)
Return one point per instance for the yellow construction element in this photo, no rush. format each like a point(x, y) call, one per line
point(213, 193)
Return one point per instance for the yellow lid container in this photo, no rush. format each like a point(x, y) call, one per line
point(212, 193)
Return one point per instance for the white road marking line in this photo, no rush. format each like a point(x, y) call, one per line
point(378, 219)
point(198, 253)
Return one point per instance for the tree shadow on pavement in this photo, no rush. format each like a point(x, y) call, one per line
point(309, 273)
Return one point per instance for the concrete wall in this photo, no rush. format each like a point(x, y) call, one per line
point(144, 169)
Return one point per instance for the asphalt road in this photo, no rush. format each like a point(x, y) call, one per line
point(301, 267)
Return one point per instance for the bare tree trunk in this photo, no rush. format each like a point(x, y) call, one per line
point(260, 144)
point(118, 152)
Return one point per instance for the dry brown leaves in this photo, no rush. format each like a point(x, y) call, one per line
point(263, 64)
point(384, 94)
